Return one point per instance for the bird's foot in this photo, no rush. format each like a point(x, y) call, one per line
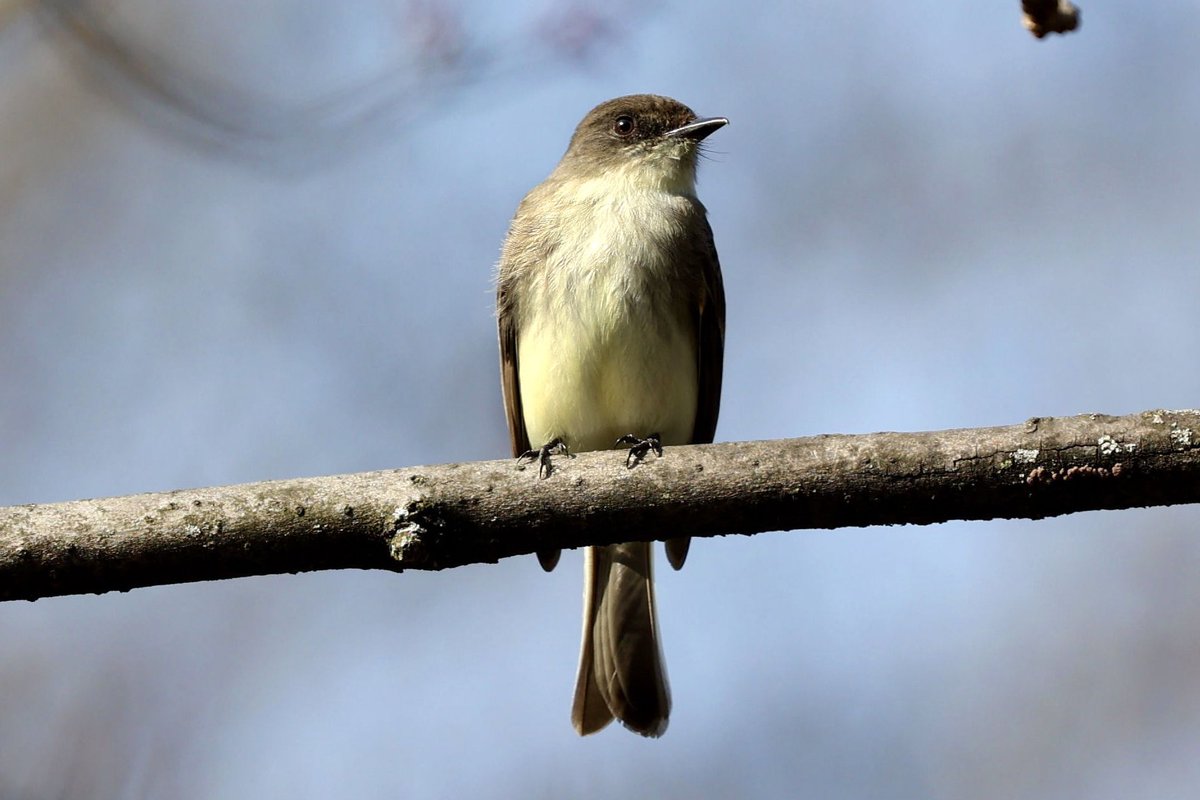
point(640, 447)
point(554, 447)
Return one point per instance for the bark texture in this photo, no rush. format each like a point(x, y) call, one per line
point(445, 516)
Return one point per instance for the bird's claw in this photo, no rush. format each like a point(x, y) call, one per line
point(640, 447)
point(554, 447)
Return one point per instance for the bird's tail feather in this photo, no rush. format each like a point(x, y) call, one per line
point(621, 672)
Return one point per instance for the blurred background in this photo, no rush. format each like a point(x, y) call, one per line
point(253, 240)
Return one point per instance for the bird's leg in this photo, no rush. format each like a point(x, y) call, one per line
point(640, 447)
point(554, 447)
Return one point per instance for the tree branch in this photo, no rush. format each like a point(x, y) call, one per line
point(454, 514)
point(1042, 17)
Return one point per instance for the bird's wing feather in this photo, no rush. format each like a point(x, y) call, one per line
point(710, 356)
point(518, 437)
point(710, 350)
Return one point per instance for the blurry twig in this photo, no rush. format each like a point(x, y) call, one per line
point(435, 55)
point(455, 514)
point(1049, 16)
point(9, 10)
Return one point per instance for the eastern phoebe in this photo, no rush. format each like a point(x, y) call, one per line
point(612, 329)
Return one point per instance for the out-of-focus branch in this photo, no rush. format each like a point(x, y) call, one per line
point(1049, 16)
point(433, 53)
point(454, 514)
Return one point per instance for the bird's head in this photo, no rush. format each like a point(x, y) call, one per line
point(643, 138)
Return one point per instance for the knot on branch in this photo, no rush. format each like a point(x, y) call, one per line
point(407, 545)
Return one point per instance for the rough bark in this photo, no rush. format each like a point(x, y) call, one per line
point(444, 516)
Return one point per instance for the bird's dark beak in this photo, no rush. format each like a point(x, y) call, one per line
point(698, 129)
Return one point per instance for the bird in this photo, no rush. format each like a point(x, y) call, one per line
point(611, 319)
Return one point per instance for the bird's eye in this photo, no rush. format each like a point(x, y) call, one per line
point(624, 125)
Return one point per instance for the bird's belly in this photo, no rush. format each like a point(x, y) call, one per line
point(591, 378)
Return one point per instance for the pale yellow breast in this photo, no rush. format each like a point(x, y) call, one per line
point(606, 347)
